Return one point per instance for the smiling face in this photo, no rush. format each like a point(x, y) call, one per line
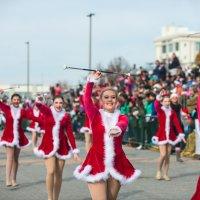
point(166, 102)
point(174, 100)
point(15, 101)
point(58, 104)
point(109, 100)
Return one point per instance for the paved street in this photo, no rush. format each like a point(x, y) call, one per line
point(31, 177)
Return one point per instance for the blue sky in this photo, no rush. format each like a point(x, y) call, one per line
point(58, 32)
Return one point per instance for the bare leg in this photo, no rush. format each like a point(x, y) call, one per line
point(113, 187)
point(88, 141)
point(58, 178)
point(98, 191)
point(50, 166)
point(178, 154)
point(34, 138)
point(163, 153)
point(166, 163)
point(9, 163)
point(15, 166)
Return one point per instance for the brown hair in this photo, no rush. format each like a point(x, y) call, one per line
point(58, 97)
point(16, 95)
point(165, 96)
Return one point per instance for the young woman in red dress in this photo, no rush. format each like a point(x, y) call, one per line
point(57, 145)
point(13, 137)
point(196, 195)
point(35, 128)
point(106, 167)
point(165, 135)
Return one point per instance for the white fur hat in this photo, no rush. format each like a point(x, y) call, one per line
point(173, 95)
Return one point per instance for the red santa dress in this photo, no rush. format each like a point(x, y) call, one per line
point(167, 120)
point(58, 139)
point(196, 195)
point(35, 126)
point(13, 134)
point(106, 156)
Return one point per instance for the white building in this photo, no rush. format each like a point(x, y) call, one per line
point(22, 89)
point(179, 40)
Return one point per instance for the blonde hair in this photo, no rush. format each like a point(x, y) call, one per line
point(109, 89)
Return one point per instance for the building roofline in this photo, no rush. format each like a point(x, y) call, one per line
point(180, 35)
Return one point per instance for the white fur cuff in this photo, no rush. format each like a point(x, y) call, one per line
point(158, 97)
point(91, 79)
point(75, 151)
point(154, 140)
point(181, 136)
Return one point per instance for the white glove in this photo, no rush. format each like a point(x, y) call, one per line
point(115, 131)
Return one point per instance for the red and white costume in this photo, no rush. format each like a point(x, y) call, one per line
point(167, 120)
point(106, 156)
point(57, 132)
point(196, 195)
point(13, 134)
point(35, 126)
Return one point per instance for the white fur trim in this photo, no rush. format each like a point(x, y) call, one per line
point(154, 140)
point(184, 114)
point(16, 118)
point(84, 175)
point(109, 120)
point(124, 180)
point(162, 142)
point(55, 134)
point(36, 129)
point(75, 151)
point(36, 112)
point(91, 79)
point(30, 129)
point(158, 97)
point(42, 131)
point(167, 112)
point(81, 92)
point(181, 136)
point(11, 144)
point(85, 130)
point(64, 157)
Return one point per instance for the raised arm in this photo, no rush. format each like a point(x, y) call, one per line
point(43, 108)
point(89, 106)
point(4, 107)
point(157, 105)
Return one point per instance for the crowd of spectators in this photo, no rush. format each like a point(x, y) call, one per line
point(137, 95)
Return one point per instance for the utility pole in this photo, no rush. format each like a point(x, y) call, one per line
point(90, 39)
point(28, 69)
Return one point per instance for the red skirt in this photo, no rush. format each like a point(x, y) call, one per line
point(196, 195)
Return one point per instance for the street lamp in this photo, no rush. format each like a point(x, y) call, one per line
point(90, 39)
point(28, 68)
